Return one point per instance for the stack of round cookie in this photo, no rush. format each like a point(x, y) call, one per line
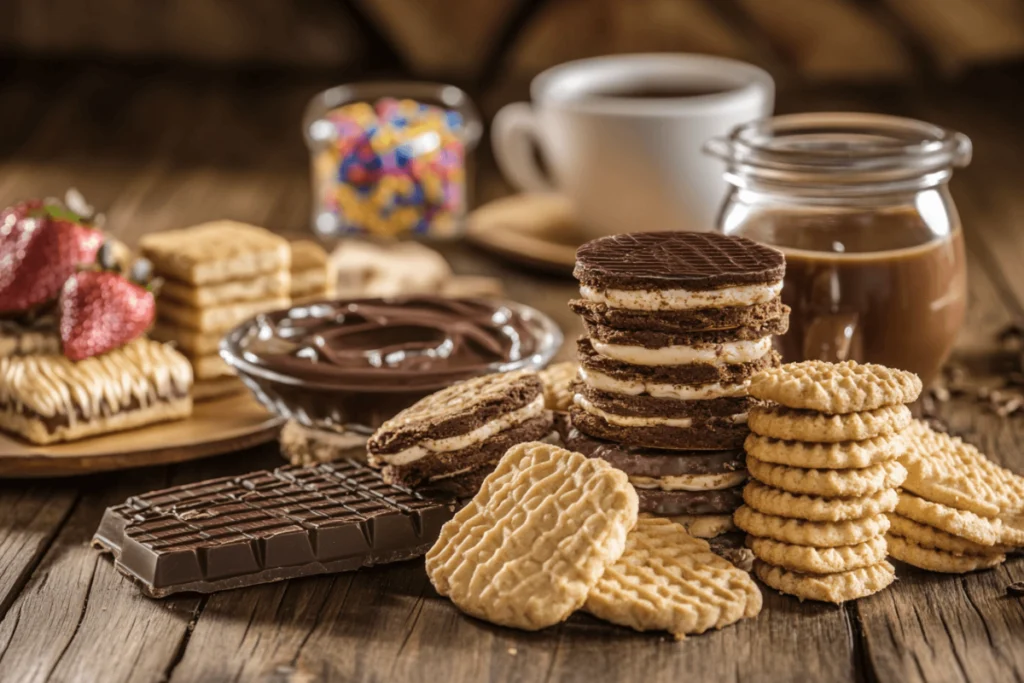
point(676, 323)
point(823, 459)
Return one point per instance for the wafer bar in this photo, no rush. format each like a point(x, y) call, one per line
point(267, 526)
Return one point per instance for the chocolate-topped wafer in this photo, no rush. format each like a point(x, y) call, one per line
point(678, 365)
point(460, 430)
point(676, 260)
point(268, 526)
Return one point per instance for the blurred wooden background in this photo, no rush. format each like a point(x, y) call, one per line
point(495, 46)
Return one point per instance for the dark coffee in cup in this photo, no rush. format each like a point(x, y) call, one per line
point(873, 286)
point(657, 91)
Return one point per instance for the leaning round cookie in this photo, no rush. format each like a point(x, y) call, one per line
point(802, 532)
point(936, 539)
point(670, 503)
point(811, 426)
point(933, 560)
point(829, 483)
point(705, 526)
point(528, 548)
point(467, 426)
point(836, 588)
point(825, 456)
point(846, 387)
point(811, 560)
point(666, 580)
point(771, 501)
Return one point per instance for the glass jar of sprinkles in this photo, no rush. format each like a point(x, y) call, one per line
point(390, 159)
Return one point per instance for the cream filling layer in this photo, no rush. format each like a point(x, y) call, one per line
point(456, 443)
point(682, 392)
point(691, 482)
point(705, 526)
point(682, 299)
point(635, 421)
point(728, 353)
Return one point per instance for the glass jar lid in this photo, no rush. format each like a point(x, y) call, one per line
point(845, 153)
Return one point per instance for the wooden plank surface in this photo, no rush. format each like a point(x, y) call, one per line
point(158, 153)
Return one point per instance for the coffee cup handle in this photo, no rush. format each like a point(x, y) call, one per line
point(514, 138)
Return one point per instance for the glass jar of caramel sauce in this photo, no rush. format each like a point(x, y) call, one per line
point(860, 205)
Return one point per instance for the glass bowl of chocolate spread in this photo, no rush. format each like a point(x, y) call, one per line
point(860, 205)
point(352, 364)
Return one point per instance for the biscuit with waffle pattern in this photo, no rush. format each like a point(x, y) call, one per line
point(802, 532)
point(811, 560)
point(528, 548)
point(934, 560)
point(837, 588)
point(835, 388)
point(772, 501)
point(814, 427)
point(830, 483)
point(825, 456)
point(667, 580)
point(936, 539)
point(987, 531)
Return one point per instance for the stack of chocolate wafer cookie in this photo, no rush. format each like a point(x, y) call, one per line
point(823, 461)
point(676, 325)
point(958, 511)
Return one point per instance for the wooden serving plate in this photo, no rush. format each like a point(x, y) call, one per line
point(217, 426)
point(536, 230)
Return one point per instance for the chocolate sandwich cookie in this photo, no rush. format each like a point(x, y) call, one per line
point(648, 463)
point(669, 503)
point(646, 405)
point(655, 339)
point(709, 434)
point(722, 363)
point(442, 440)
point(757, 316)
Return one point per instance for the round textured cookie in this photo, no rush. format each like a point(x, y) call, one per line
point(693, 261)
point(933, 560)
point(713, 433)
point(988, 531)
point(825, 456)
point(802, 532)
point(837, 588)
point(807, 425)
point(846, 387)
point(528, 548)
point(771, 501)
point(557, 380)
point(658, 339)
point(666, 580)
point(829, 483)
point(811, 560)
point(686, 374)
point(705, 526)
point(669, 503)
point(768, 313)
point(936, 539)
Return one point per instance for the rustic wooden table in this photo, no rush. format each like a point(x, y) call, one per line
point(162, 150)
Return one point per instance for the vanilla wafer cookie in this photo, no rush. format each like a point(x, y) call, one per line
point(557, 379)
point(830, 483)
point(832, 388)
point(667, 580)
point(772, 501)
point(530, 546)
point(812, 560)
point(943, 469)
point(934, 560)
point(802, 532)
point(825, 456)
point(838, 587)
point(988, 531)
point(811, 426)
point(936, 539)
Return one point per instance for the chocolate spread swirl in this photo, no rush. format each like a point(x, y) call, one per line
point(410, 343)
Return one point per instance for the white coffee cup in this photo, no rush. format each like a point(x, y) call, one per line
point(631, 164)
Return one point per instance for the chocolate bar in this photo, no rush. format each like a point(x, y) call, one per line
point(268, 526)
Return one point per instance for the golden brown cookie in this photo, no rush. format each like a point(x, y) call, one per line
point(801, 532)
point(837, 588)
point(930, 537)
point(934, 560)
point(830, 483)
point(529, 547)
point(771, 501)
point(557, 379)
point(812, 560)
point(832, 388)
point(814, 427)
point(667, 580)
point(988, 531)
point(825, 456)
point(705, 526)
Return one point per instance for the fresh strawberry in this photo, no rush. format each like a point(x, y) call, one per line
point(41, 246)
point(101, 311)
